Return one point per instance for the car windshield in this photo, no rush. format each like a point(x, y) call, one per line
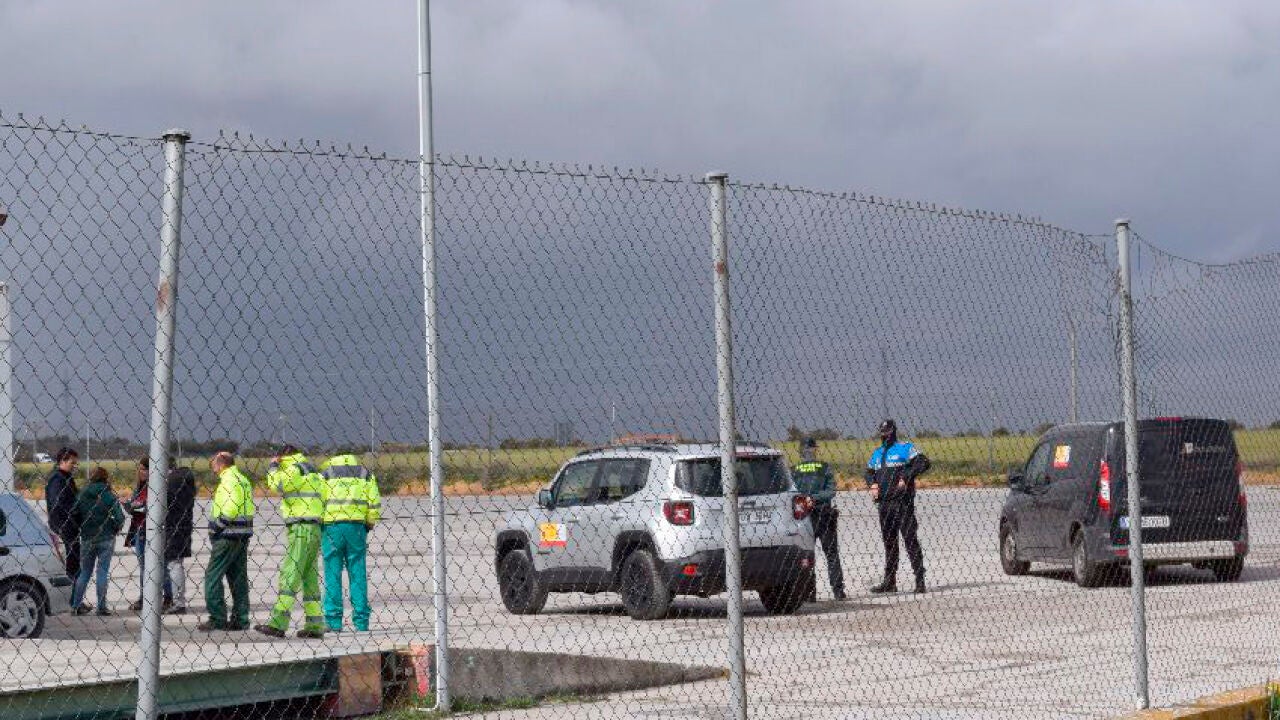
point(756, 476)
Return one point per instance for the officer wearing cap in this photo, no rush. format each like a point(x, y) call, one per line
point(815, 479)
point(891, 475)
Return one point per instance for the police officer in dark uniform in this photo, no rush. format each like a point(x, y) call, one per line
point(891, 475)
point(815, 479)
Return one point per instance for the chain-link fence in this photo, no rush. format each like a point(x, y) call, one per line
point(578, 356)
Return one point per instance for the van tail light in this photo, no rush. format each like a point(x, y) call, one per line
point(56, 542)
point(1243, 497)
point(678, 512)
point(1104, 487)
point(801, 506)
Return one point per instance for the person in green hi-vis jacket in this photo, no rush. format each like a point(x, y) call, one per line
point(230, 528)
point(300, 486)
point(352, 506)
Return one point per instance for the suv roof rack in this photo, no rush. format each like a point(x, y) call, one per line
point(651, 447)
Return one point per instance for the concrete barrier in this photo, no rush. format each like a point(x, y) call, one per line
point(497, 675)
point(1251, 703)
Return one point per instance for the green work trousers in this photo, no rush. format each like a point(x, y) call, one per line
point(230, 560)
point(300, 571)
point(344, 549)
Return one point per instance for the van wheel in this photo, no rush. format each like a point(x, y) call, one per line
point(787, 598)
point(1009, 554)
point(522, 592)
point(1228, 570)
point(1087, 574)
point(21, 610)
point(645, 595)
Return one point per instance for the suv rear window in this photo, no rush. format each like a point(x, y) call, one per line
point(756, 476)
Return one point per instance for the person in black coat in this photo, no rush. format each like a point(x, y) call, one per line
point(180, 489)
point(60, 500)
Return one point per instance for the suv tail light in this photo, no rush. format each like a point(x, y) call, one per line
point(678, 512)
point(1104, 487)
point(801, 506)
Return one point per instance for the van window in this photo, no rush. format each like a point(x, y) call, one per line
point(756, 476)
point(1184, 449)
point(1038, 465)
point(1075, 457)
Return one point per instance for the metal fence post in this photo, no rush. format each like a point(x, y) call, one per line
point(175, 142)
point(427, 181)
point(8, 469)
point(728, 444)
point(1074, 340)
point(1128, 386)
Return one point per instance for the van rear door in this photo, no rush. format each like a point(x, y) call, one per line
point(1189, 481)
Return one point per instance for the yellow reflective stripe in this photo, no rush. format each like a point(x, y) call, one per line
point(293, 495)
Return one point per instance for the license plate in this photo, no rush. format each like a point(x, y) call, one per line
point(754, 516)
point(1148, 521)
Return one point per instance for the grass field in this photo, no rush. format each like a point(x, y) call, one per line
point(957, 461)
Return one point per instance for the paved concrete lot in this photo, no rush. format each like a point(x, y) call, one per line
point(980, 645)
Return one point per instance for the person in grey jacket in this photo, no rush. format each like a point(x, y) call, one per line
point(815, 479)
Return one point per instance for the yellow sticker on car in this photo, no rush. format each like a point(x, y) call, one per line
point(552, 535)
point(1062, 457)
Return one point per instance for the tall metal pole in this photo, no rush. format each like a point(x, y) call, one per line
point(728, 444)
point(426, 173)
point(8, 481)
point(175, 142)
point(1128, 385)
point(1075, 369)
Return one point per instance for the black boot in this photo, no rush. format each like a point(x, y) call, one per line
point(889, 585)
point(920, 588)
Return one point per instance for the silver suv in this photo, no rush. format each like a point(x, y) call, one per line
point(646, 521)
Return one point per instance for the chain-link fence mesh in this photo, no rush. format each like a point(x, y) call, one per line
point(578, 356)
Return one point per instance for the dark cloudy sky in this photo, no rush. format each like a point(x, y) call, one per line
point(565, 297)
point(1073, 111)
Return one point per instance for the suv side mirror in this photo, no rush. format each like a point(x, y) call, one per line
point(545, 499)
point(1017, 481)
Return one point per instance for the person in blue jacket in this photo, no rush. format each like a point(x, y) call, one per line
point(891, 475)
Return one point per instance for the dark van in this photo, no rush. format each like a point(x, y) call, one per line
point(1069, 503)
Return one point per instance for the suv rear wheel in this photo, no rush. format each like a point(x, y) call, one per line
point(1009, 554)
point(645, 595)
point(1228, 570)
point(1087, 573)
point(788, 597)
point(522, 593)
point(21, 610)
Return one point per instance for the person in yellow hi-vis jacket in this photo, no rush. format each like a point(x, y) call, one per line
point(300, 486)
point(352, 506)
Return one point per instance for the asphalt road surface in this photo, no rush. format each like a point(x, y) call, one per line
point(978, 645)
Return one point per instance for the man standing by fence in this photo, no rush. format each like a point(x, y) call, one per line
point(815, 479)
point(352, 506)
point(891, 474)
point(300, 486)
point(230, 527)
